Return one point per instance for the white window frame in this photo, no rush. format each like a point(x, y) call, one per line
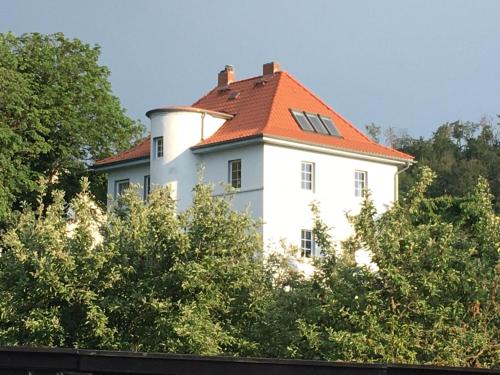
point(307, 245)
point(234, 181)
point(360, 183)
point(307, 177)
point(118, 189)
point(147, 187)
point(158, 147)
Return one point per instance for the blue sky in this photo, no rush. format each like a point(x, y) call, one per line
point(408, 64)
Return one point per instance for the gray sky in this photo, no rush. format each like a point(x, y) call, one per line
point(408, 64)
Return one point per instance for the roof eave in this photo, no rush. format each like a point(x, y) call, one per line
point(222, 115)
point(342, 151)
point(291, 142)
point(120, 164)
point(218, 146)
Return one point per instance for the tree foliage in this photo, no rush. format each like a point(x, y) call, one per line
point(434, 298)
point(57, 113)
point(459, 152)
point(155, 280)
point(195, 281)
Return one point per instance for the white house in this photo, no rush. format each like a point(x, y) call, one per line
point(274, 141)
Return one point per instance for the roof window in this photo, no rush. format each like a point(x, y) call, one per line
point(316, 123)
point(302, 120)
point(332, 129)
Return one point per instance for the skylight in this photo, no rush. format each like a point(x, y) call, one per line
point(316, 123)
point(300, 117)
point(332, 129)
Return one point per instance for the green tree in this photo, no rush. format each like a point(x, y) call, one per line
point(459, 152)
point(374, 131)
point(433, 299)
point(53, 278)
point(191, 282)
point(155, 281)
point(57, 114)
point(195, 281)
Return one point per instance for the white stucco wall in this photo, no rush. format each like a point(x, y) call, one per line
point(179, 165)
point(271, 176)
point(250, 194)
point(286, 204)
point(134, 173)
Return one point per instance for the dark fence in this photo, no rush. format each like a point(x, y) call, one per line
point(37, 361)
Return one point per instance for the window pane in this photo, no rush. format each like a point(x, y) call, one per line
point(332, 129)
point(158, 147)
point(306, 243)
point(235, 173)
point(360, 183)
point(120, 187)
point(316, 123)
point(302, 121)
point(307, 175)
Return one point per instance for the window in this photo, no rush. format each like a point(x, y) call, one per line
point(120, 187)
point(307, 175)
point(302, 120)
point(158, 147)
point(146, 187)
point(315, 123)
point(332, 129)
point(360, 183)
point(235, 173)
point(306, 243)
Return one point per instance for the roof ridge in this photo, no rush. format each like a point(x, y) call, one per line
point(203, 97)
point(215, 88)
point(329, 108)
point(246, 79)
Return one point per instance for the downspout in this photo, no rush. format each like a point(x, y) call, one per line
point(203, 126)
point(396, 180)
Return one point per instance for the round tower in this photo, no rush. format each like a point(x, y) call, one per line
point(174, 130)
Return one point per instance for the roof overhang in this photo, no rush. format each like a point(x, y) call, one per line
point(300, 145)
point(121, 164)
point(222, 115)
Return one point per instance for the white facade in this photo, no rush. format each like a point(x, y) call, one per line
point(270, 175)
point(133, 173)
point(287, 205)
point(180, 129)
point(251, 193)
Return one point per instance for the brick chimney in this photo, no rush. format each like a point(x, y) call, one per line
point(226, 76)
point(270, 68)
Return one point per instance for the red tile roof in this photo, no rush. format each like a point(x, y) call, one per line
point(139, 151)
point(262, 108)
